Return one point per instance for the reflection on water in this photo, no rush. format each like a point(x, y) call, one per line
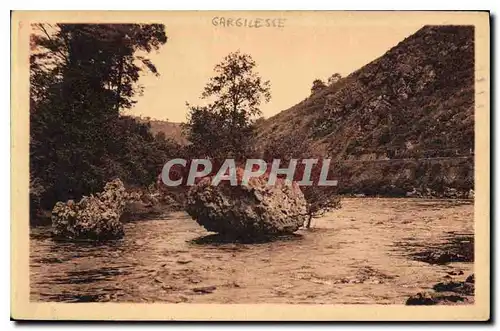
point(218, 239)
point(359, 255)
point(129, 269)
point(76, 272)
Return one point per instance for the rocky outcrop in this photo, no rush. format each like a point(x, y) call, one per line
point(93, 217)
point(446, 293)
point(252, 210)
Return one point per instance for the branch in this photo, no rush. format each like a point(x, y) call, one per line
point(49, 38)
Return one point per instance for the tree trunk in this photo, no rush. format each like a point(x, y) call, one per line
point(308, 225)
point(119, 85)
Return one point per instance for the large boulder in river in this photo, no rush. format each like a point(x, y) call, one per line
point(252, 210)
point(93, 217)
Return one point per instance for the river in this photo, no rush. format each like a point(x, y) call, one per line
point(358, 254)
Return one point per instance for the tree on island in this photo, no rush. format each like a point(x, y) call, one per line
point(225, 127)
point(320, 199)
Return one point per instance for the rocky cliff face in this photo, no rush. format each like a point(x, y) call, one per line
point(414, 102)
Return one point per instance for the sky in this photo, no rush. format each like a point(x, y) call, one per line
point(290, 56)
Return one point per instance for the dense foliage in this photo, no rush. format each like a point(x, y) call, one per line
point(225, 127)
point(318, 85)
point(82, 76)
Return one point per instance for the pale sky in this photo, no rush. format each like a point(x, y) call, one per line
point(291, 57)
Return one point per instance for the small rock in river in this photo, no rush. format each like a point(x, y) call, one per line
point(183, 261)
point(205, 289)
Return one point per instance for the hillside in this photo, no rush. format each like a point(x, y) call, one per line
point(405, 109)
point(171, 130)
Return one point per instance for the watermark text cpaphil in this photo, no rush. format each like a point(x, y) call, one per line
point(303, 172)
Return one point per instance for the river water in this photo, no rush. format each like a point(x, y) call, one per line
point(353, 255)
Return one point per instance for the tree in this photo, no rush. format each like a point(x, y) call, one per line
point(317, 86)
point(334, 79)
point(320, 200)
point(224, 128)
point(204, 129)
point(81, 76)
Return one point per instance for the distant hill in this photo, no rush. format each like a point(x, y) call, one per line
point(414, 102)
point(171, 130)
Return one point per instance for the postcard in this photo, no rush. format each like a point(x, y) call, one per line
point(250, 165)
